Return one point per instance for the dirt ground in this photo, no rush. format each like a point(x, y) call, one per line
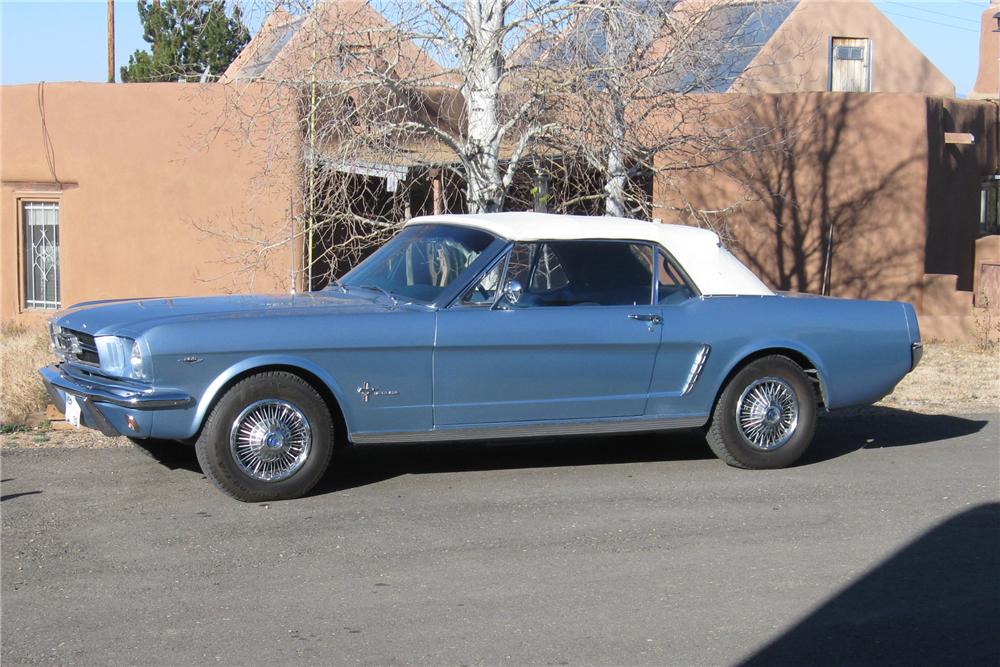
point(951, 379)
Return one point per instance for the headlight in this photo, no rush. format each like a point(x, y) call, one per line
point(121, 357)
point(112, 351)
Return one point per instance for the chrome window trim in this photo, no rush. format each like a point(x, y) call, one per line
point(504, 254)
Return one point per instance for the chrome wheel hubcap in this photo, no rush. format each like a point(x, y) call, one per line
point(767, 413)
point(270, 440)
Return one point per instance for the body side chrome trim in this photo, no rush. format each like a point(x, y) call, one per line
point(696, 369)
point(534, 429)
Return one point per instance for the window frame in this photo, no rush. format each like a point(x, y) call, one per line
point(21, 199)
point(504, 256)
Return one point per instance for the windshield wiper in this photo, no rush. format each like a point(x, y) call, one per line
point(392, 297)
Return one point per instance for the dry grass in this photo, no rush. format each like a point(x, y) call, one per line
point(23, 350)
point(952, 378)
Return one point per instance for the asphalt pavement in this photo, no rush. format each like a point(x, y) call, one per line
point(881, 547)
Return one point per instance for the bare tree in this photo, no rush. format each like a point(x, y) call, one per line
point(407, 106)
point(640, 74)
point(401, 103)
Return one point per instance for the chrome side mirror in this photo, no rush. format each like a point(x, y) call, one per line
point(512, 291)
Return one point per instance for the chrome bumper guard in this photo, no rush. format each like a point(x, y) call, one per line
point(916, 354)
point(89, 393)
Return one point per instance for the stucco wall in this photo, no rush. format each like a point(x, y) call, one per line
point(797, 58)
point(137, 169)
point(856, 162)
point(954, 179)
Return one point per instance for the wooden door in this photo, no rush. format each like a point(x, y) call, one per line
point(850, 65)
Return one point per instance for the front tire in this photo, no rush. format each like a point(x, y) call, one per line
point(270, 437)
point(765, 417)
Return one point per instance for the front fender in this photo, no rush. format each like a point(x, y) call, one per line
point(262, 362)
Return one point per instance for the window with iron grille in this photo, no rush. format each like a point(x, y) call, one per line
point(41, 254)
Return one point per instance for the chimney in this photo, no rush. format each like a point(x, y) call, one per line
point(988, 82)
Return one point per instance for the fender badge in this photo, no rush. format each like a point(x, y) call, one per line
point(191, 360)
point(367, 391)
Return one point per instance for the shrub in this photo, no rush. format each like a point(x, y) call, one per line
point(23, 349)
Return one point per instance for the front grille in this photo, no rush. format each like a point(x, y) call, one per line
point(85, 350)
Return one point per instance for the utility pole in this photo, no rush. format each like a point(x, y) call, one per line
point(111, 41)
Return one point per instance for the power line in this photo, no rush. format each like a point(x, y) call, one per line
point(913, 5)
point(920, 18)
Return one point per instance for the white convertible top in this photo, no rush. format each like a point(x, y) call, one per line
point(699, 251)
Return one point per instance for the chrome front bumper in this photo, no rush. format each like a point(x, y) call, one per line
point(103, 403)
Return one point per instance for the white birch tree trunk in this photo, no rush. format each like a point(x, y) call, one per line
point(483, 70)
point(617, 174)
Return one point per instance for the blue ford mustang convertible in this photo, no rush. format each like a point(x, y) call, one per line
point(482, 326)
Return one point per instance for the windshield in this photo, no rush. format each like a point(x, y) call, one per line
point(420, 261)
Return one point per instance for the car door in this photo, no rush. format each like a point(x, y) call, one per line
point(685, 344)
point(579, 342)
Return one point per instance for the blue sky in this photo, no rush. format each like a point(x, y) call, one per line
point(65, 41)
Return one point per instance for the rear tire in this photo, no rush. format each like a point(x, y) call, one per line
point(270, 437)
point(765, 417)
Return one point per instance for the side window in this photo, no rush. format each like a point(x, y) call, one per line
point(583, 273)
point(673, 288)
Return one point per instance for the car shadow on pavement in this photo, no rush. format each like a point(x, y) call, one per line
point(361, 465)
point(934, 602)
point(171, 454)
point(841, 433)
point(836, 435)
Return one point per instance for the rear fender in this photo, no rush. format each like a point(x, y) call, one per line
point(776, 346)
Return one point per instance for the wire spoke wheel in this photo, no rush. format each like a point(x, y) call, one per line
point(270, 440)
point(767, 413)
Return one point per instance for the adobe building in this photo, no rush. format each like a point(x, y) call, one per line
point(844, 46)
point(114, 191)
point(874, 196)
point(124, 190)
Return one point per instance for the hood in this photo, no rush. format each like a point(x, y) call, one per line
point(131, 317)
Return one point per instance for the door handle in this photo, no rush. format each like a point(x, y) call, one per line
point(652, 319)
